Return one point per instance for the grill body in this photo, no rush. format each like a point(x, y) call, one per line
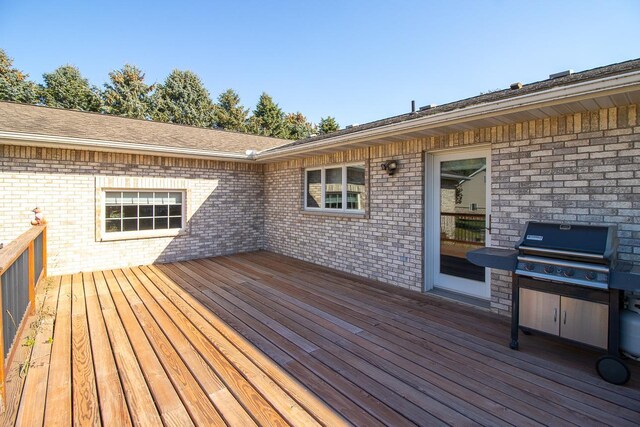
point(575, 265)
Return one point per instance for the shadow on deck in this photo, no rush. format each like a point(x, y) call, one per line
point(264, 339)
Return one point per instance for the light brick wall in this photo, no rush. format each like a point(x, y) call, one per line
point(226, 205)
point(582, 168)
point(384, 245)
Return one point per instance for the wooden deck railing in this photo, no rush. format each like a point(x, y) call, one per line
point(23, 264)
point(462, 228)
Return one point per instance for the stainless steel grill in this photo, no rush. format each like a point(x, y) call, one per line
point(570, 262)
point(576, 254)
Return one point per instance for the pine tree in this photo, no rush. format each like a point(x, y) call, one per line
point(127, 94)
point(268, 118)
point(183, 99)
point(14, 85)
point(328, 125)
point(297, 126)
point(229, 114)
point(66, 88)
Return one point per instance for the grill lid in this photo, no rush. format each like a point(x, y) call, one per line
point(578, 238)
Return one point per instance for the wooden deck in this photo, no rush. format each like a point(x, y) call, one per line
point(261, 339)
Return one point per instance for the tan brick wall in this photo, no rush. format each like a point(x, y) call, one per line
point(383, 245)
point(226, 205)
point(581, 168)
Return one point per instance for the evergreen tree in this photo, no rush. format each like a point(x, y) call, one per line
point(127, 94)
point(183, 99)
point(229, 114)
point(268, 118)
point(14, 85)
point(297, 126)
point(328, 125)
point(66, 88)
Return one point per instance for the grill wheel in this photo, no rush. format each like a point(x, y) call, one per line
point(613, 370)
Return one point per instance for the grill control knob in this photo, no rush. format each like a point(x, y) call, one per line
point(590, 275)
point(529, 266)
point(568, 272)
point(549, 269)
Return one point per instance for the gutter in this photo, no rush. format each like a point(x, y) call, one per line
point(25, 139)
point(576, 92)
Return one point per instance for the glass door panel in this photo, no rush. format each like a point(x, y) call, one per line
point(462, 215)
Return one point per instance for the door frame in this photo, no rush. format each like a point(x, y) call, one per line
point(432, 219)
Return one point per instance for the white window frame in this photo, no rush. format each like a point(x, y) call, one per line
point(144, 234)
point(322, 170)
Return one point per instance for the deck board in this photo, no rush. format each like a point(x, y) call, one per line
point(262, 339)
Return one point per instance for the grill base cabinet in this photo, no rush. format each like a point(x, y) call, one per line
point(584, 315)
point(577, 320)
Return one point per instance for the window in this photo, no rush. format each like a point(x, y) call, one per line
point(335, 189)
point(143, 211)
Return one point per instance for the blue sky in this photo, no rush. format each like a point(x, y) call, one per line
point(355, 60)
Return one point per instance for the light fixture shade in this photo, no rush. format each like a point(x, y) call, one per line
point(391, 166)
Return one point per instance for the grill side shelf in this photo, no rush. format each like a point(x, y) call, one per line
point(626, 277)
point(498, 258)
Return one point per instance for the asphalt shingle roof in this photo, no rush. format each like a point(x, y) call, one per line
point(32, 119)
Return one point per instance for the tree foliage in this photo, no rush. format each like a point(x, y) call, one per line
point(328, 125)
point(229, 114)
point(268, 118)
point(14, 85)
point(298, 127)
point(66, 88)
point(183, 99)
point(127, 94)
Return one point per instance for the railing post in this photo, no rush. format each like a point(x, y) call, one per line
point(32, 278)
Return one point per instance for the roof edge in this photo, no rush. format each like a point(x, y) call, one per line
point(24, 139)
point(555, 95)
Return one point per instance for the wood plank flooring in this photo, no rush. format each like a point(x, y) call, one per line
point(262, 339)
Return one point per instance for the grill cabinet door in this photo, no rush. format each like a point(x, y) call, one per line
point(584, 321)
point(540, 311)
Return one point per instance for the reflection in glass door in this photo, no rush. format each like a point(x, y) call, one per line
point(462, 215)
point(459, 209)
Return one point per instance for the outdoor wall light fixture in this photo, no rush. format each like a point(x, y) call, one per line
point(391, 166)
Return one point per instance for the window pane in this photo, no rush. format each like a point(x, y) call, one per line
point(146, 224)
point(355, 187)
point(314, 189)
point(333, 188)
point(113, 226)
point(130, 211)
point(161, 223)
point(130, 224)
point(112, 197)
point(114, 212)
point(174, 198)
point(175, 210)
point(158, 198)
point(130, 198)
point(161, 210)
point(145, 198)
point(175, 222)
point(146, 210)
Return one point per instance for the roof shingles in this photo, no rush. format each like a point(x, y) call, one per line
point(39, 120)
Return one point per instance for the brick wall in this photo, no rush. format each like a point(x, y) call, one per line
point(582, 168)
point(225, 205)
point(384, 244)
